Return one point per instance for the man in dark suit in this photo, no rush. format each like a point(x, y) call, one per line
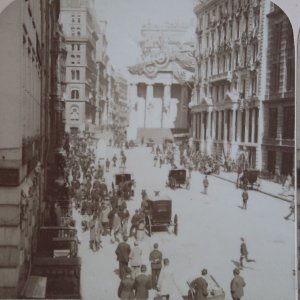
point(126, 287)
point(199, 286)
point(155, 257)
point(142, 285)
point(122, 252)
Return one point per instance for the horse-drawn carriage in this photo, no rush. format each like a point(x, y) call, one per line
point(249, 179)
point(159, 216)
point(178, 178)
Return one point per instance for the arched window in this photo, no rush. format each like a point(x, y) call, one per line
point(78, 59)
point(74, 94)
point(73, 74)
point(74, 113)
point(77, 75)
point(72, 59)
point(73, 31)
point(78, 31)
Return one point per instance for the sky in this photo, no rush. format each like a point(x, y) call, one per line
point(125, 19)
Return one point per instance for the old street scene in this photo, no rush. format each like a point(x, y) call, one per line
point(147, 150)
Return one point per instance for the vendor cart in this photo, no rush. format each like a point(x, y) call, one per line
point(178, 178)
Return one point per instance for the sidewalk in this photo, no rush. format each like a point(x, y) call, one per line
point(267, 187)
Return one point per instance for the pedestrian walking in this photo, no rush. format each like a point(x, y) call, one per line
point(292, 210)
point(107, 164)
point(155, 160)
point(134, 223)
point(245, 197)
point(244, 252)
point(114, 159)
point(142, 285)
point(126, 287)
point(155, 258)
point(237, 285)
point(123, 251)
point(205, 184)
point(199, 287)
point(135, 259)
point(115, 225)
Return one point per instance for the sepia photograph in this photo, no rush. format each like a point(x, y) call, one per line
point(148, 149)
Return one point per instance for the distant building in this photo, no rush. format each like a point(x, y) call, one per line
point(161, 84)
point(81, 32)
point(227, 115)
point(122, 107)
point(278, 147)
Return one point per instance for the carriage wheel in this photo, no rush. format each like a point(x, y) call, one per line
point(176, 224)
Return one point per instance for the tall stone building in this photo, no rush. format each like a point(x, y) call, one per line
point(227, 118)
point(27, 60)
point(161, 84)
point(122, 109)
point(81, 32)
point(279, 105)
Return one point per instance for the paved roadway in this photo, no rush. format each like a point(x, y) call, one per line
point(210, 227)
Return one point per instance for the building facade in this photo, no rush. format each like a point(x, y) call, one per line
point(160, 85)
point(122, 109)
point(27, 58)
point(227, 118)
point(81, 33)
point(279, 105)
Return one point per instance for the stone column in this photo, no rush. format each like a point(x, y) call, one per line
point(239, 127)
point(209, 125)
point(149, 96)
point(213, 136)
point(220, 125)
point(233, 120)
point(166, 104)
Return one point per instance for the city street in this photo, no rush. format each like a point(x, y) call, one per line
point(210, 228)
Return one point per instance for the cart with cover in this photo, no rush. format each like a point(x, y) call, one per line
point(249, 179)
point(178, 178)
point(159, 216)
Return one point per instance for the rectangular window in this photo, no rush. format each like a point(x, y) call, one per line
point(213, 41)
point(217, 93)
point(236, 124)
point(237, 58)
point(250, 126)
point(288, 122)
point(272, 122)
point(206, 69)
point(271, 161)
point(211, 67)
point(277, 36)
point(245, 56)
point(229, 62)
point(275, 78)
point(207, 41)
point(222, 125)
point(77, 74)
point(243, 126)
point(290, 73)
point(253, 85)
point(217, 125)
point(237, 28)
point(256, 111)
point(78, 47)
point(228, 118)
point(218, 64)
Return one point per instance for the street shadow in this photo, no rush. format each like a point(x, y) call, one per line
point(237, 264)
point(203, 193)
point(241, 207)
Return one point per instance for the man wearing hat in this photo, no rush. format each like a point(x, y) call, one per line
point(237, 285)
point(199, 286)
point(142, 285)
point(126, 287)
point(155, 258)
point(123, 251)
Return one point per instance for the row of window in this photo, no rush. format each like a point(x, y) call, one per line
point(75, 47)
point(222, 32)
point(75, 59)
point(75, 31)
point(76, 18)
point(286, 124)
point(224, 62)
